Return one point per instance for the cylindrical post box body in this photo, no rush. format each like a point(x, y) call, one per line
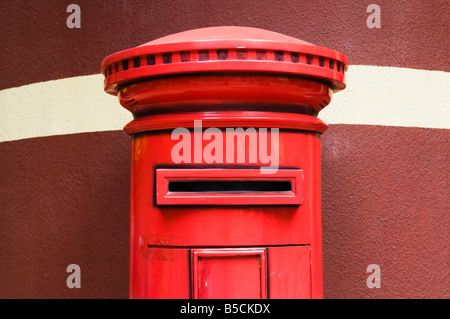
point(225, 162)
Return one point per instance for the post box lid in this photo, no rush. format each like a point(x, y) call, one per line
point(223, 50)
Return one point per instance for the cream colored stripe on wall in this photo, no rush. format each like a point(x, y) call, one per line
point(374, 95)
point(392, 96)
point(71, 105)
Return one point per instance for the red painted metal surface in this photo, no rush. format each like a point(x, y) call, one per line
point(203, 225)
point(290, 121)
point(223, 225)
point(292, 279)
point(224, 49)
point(229, 273)
point(275, 272)
point(166, 268)
point(192, 215)
point(226, 92)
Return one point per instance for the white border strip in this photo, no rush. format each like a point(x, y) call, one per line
point(374, 96)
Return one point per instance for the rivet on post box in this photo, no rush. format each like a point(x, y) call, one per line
point(225, 162)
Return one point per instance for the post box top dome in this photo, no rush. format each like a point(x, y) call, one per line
point(225, 33)
point(226, 49)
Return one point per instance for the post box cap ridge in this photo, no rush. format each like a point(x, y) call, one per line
point(224, 49)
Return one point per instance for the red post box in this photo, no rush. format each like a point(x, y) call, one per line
point(225, 178)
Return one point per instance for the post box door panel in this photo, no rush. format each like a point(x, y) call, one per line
point(289, 270)
point(167, 268)
point(252, 273)
point(229, 273)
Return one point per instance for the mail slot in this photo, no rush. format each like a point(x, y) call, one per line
point(228, 187)
point(225, 162)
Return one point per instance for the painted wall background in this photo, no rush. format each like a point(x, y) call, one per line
point(64, 160)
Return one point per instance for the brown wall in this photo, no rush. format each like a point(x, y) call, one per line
point(65, 199)
point(385, 201)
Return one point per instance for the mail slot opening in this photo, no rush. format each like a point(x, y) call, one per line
point(229, 186)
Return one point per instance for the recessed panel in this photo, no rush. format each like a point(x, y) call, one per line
point(229, 273)
point(289, 269)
